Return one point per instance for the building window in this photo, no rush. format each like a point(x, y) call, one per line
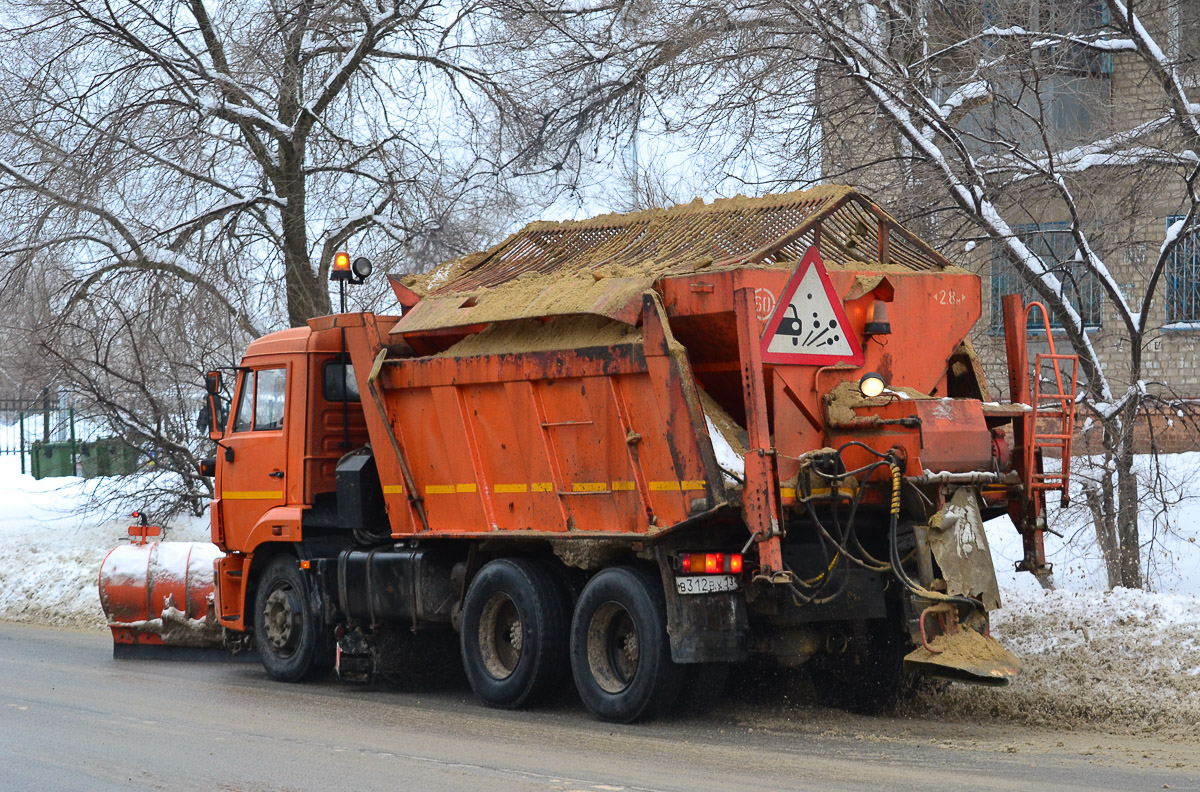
point(1054, 245)
point(1043, 86)
point(1183, 35)
point(1183, 276)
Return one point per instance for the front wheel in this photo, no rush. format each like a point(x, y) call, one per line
point(620, 652)
point(286, 631)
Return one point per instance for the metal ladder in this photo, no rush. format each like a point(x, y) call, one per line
point(1054, 405)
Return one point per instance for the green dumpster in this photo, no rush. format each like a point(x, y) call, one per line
point(51, 459)
point(108, 456)
point(123, 457)
point(94, 460)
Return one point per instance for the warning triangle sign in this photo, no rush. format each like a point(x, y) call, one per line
point(809, 325)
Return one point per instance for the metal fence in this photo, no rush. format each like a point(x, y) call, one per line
point(44, 418)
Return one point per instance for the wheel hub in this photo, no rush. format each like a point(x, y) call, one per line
point(614, 648)
point(281, 621)
point(501, 636)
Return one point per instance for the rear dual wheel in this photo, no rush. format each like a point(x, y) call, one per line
point(517, 623)
point(620, 652)
point(514, 633)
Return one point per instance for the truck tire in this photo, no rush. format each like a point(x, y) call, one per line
point(286, 629)
point(514, 634)
point(620, 652)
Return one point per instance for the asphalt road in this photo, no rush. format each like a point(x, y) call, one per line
point(72, 718)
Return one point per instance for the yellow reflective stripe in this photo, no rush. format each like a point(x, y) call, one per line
point(589, 486)
point(818, 492)
point(620, 486)
point(449, 489)
point(252, 495)
point(393, 489)
point(676, 486)
point(542, 486)
point(510, 488)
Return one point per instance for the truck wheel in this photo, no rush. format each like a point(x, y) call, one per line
point(514, 633)
point(285, 629)
point(620, 653)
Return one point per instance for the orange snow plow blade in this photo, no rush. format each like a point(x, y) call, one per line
point(159, 596)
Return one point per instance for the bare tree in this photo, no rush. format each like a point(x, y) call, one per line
point(1062, 134)
point(175, 177)
point(234, 148)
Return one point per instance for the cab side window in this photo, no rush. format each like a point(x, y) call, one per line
point(261, 401)
point(244, 416)
point(269, 393)
point(339, 383)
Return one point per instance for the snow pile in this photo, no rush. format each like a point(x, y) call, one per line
point(1170, 538)
point(732, 464)
point(1121, 658)
point(50, 552)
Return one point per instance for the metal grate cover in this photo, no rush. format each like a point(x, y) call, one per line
point(654, 243)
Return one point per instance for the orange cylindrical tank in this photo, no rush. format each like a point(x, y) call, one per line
point(140, 583)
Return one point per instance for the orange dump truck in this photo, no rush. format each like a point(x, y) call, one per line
point(634, 450)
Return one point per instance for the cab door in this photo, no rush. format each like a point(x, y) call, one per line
point(254, 470)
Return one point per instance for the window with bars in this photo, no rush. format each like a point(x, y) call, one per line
point(1183, 276)
point(1054, 245)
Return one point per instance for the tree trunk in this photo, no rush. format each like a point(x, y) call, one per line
point(1100, 502)
point(307, 296)
point(1127, 511)
point(1117, 502)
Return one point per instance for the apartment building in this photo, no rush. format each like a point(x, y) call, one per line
point(1024, 82)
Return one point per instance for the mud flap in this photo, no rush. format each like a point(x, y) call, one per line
point(704, 628)
point(961, 550)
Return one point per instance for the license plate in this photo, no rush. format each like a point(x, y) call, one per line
point(705, 584)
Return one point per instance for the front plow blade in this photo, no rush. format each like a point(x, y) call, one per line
point(157, 599)
point(965, 656)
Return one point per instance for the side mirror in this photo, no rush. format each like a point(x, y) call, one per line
point(212, 387)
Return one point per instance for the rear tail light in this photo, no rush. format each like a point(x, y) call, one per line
point(710, 563)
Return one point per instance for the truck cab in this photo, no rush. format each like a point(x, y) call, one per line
point(295, 411)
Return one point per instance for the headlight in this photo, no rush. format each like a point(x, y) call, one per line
point(871, 385)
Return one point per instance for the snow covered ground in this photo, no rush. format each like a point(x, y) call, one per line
point(50, 551)
point(1170, 538)
point(1120, 659)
